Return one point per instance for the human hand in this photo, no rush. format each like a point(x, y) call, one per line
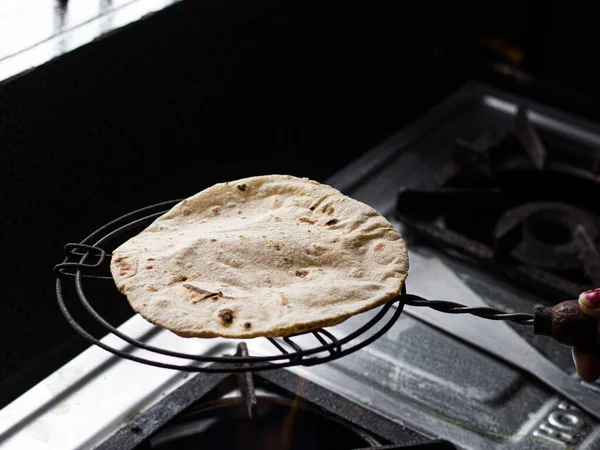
point(587, 360)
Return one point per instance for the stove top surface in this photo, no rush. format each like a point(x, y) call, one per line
point(474, 383)
point(519, 201)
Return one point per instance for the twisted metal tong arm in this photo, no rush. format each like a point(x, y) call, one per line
point(457, 308)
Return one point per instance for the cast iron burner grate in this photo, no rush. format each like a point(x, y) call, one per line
point(291, 414)
point(523, 209)
point(88, 260)
point(270, 409)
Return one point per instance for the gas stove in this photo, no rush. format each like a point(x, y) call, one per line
point(432, 380)
point(522, 202)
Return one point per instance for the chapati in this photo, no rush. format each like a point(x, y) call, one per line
point(262, 256)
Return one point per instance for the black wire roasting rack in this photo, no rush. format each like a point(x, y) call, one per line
point(88, 259)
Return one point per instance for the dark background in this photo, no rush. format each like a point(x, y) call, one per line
point(208, 91)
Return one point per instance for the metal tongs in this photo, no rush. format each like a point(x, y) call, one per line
point(566, 323)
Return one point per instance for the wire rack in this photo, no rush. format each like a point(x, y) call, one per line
point(88, 259)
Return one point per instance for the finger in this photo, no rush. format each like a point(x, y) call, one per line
point(587, 363)
point(589, 302)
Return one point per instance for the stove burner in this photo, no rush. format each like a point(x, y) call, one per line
point(547, 234)
point(537, 218)
point(282, 424)
point(212, 411)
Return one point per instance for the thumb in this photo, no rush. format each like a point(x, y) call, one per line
point(589, 302)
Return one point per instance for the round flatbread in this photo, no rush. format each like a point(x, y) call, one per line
point(263, 256)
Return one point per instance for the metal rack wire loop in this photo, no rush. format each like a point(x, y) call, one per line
point(87, 259)
point(80, 250)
